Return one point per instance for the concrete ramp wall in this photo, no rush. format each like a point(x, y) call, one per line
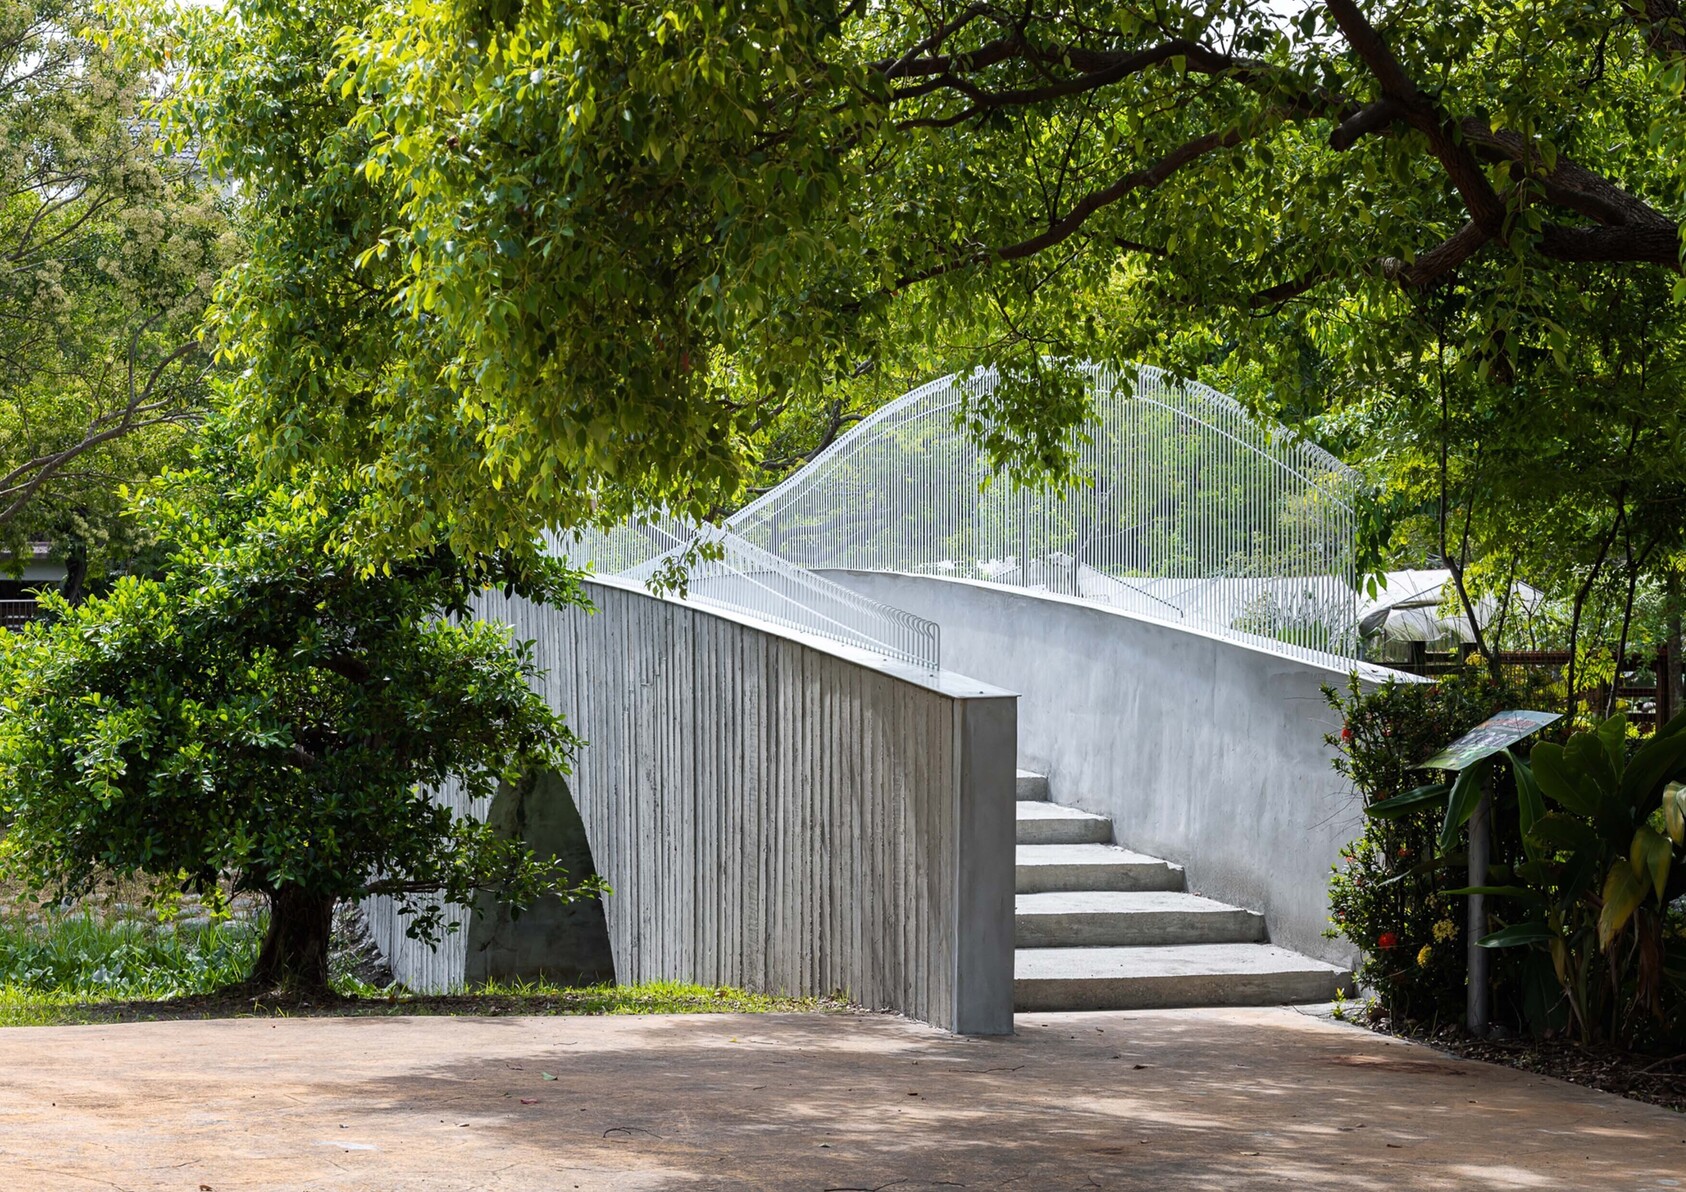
point(777, 813)
point(1201, 749)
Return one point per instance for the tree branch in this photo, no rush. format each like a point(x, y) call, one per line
point(1421, 113)
point(1366, 120)
point(347, 666)
point(1567, 183)
point(1284, 291)
point(1431, 266)
point(1144, 179)
point(1663, 24)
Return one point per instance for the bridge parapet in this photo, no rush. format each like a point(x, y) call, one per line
point(776, 811)
point(1181, 506)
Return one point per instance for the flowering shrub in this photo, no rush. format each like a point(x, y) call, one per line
point(1388, 895)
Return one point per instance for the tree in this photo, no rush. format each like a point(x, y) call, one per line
point(539, 262)
point(266, 717)
point(110, 248)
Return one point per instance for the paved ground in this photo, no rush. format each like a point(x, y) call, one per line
point(1166, 1100)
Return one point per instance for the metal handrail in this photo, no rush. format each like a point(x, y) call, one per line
point(1182, 507)
point(722, 570)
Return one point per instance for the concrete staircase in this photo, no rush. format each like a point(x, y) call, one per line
point(1099, 927)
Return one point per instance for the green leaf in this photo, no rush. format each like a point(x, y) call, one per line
point(1465, 797)
point(1650, 856)
point(1517, 935)
point(1561, 780)
point(1674, 812)
point(1624, 890)
point(1399, 805)
point(1564, 834)
point(1523, 892)
point(1612, 734)
point(1660, 758)
point(1529, 801)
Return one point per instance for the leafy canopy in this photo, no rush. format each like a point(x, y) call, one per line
point(111, 251)
point(538, 263)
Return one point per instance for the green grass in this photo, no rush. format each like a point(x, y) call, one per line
point(655, 997)
point(82, 957)
point(75, 968)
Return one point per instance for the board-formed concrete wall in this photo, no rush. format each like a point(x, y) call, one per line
point(1205, 751)
point(777, 813)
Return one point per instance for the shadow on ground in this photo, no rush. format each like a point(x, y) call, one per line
point(1175, 1100)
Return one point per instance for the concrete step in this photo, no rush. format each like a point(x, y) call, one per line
point(1149, 978)
point(1121, 918)
point(1049, 823)
point(1041, 868)
point(1032, 786)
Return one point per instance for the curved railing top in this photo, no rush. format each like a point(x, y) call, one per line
point(1214, 409)
point(720, 570)
point(1182, 507)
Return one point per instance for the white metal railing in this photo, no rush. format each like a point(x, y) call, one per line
point(716, 567)
point(1183, 507)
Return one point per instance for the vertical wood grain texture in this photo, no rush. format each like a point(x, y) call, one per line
point(768, 814)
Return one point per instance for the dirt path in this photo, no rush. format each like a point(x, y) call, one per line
point(1167, 1100)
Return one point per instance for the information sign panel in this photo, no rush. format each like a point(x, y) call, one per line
point(1487, 738)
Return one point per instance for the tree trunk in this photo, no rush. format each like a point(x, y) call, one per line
point(1676, 690)
point(294, 956)
point(75, 571)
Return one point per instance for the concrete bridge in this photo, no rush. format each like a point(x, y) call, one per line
point(956, 747)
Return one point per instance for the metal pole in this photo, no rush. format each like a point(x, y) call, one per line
point(1024, 538)
point(1479, 1011)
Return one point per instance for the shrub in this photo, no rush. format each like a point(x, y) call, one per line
point(81, 955)
point(1390, 895)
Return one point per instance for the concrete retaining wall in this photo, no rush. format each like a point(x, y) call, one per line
point(1204, 751)
point(776, 813)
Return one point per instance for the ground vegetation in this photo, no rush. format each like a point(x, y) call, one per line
point(263, 718)
point(1585, 887)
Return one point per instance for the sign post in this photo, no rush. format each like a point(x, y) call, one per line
point(1478, 999)
point(1497, 732)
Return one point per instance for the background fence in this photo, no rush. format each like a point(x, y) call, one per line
point(15, 614)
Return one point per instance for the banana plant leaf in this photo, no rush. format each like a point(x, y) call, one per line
point(1562, 777)
point(1522, 892)
point(1518, 935)
point(1461, 804)
point(1530, 804)
point(1654, 763)
point(1400, 805)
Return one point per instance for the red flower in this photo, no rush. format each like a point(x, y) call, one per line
point(1346, 732)
point(1387, 940)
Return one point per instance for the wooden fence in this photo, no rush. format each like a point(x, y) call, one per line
point(1650, 702)
point(15, 614)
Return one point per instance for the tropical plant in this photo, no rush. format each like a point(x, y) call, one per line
point(265, 716)
point(1602, 827)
